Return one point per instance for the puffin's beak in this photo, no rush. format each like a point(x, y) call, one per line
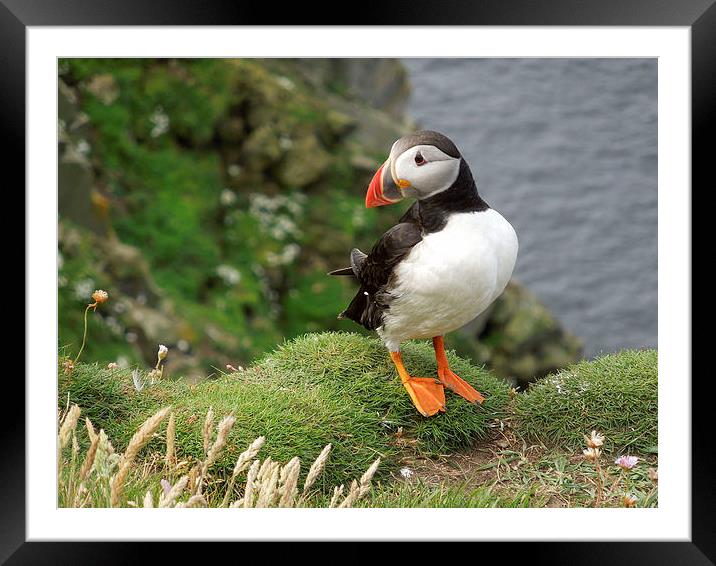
point(383, 188)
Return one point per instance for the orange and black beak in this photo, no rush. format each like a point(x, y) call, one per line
point(383, 188)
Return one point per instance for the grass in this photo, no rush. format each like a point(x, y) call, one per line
point(341, 389)
point(563, 479)
point(101, 477)
point(615, 394)
point(458, 495)
point(330, 388)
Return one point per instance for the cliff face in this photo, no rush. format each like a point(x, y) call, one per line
point(210, 197)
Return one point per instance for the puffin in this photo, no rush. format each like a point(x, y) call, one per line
point(445, 261)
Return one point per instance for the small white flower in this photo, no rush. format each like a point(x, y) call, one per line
point(229, 274)
point(112, 365)
point(286, 83)
point(160, 122)
point(228, 197)
point(406, 472)
point(163, 351)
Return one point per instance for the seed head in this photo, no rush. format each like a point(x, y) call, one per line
point(592, 454)
point(595, 440)
point(99, 297)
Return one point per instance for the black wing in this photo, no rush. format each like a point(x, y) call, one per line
point(358, 257)
point(374, 271)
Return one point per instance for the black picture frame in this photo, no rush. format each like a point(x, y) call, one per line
point(699, 15)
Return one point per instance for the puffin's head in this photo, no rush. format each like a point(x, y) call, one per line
point(420, 165)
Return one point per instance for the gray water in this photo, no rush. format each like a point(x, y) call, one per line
point(566, 150)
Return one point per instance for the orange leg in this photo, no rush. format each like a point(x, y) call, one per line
point(427, 393)
point(451, 380)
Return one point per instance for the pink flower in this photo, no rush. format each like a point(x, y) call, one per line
point(626, 462)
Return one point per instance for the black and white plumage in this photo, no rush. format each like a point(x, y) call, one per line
point(447, 259)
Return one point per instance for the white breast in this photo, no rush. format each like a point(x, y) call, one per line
point(450, 277)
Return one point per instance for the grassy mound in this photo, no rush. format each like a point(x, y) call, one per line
point(336, 388)
point(615, 394)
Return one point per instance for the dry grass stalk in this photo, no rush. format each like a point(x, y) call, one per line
point(268, 484)
point(90, 429)
point(289, 482)
point(269, 481)
point(241, 464)
point(105, 453)
point(250, 480)
point(194, 475)
point(68, 425)
point(352, 496)
point(247, 455)
point(75, 448)
point(206, 430)
point(359, 489)
point(367, 477)
point(170, 459)
point(316, 469)
point(337, 492)
point(89, 458)
point(194, 501)
point(222, 436)
point(175, 491)
point(138, 441)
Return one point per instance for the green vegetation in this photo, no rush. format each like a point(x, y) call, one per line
point(615, 394)
point(341, 389)
point(420, 494)
point(232, 181)
point(331, 388)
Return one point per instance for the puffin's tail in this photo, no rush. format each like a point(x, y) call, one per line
point(357, 259)
point(342, 271)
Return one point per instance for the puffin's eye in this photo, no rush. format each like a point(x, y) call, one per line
point(419, 159)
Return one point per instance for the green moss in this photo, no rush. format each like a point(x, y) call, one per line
point(335, 388)
point(616, 394)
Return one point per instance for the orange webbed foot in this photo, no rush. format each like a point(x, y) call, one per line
point(458, 385)
point(427, 394)
point(451, 380)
